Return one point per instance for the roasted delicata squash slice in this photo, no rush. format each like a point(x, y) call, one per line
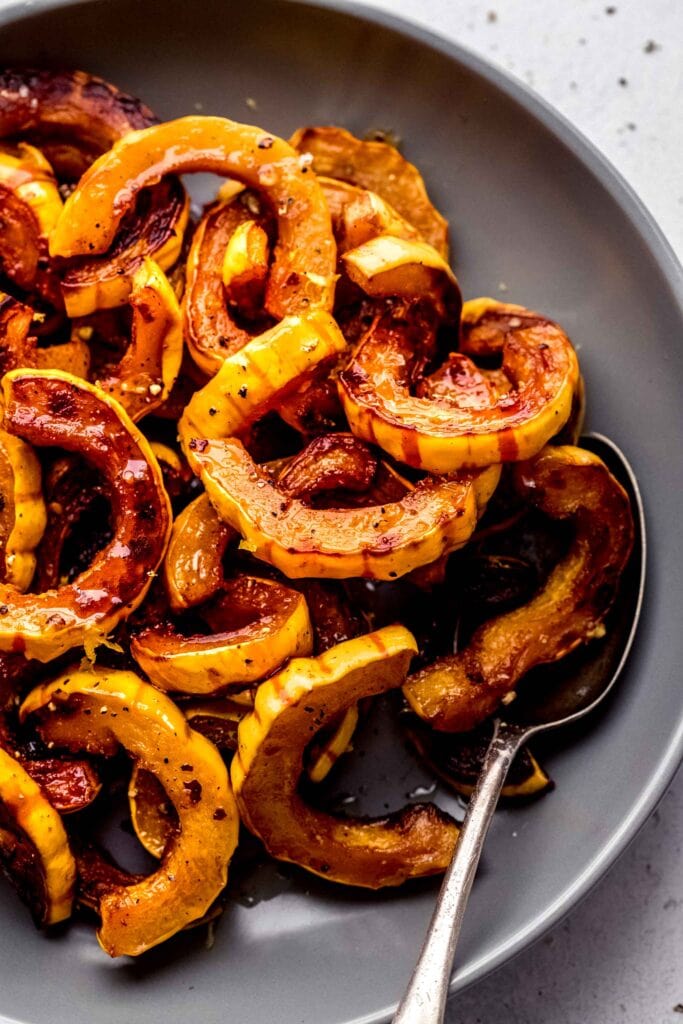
point(443, 435)
point(30, 205)
point(70, 115)
point(193, 565)
point(23, 250)
point(34, 847)
point(154, 230)
point(254, 379)
point(391, 266)
point(211, 329)
point(22, 515)
point(19, 347)
point(74, 117)
point(256, 625)
point(153, 816)
point(99, 710)
point(302, 276)
point(359, 215)
point(70, 785)
point(218, 718)
point(328, 463)
point(24, 169)
point(378, 166)
point(245, 267)
point(49, 408)
point(325, 754)
point(459, 691)
point(290, 708)
point(376, 542)
point(145, 375)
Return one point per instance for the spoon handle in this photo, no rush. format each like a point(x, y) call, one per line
point(424, 1001)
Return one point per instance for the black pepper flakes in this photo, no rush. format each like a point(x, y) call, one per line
point(194, 790)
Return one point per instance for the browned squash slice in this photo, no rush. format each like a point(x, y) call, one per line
point(290, 708)
point(69, 785)
point(255, 624)
point(97, 711)
point(377, 542)
point(155, 228)
point(379, 167)
point(211, 330)
point(153, 816)
point(49, 408)
point(34, 848)
point(70, 115)
point(74, 117)
point(25, 170)
point(458, 692)
point(193, 566)
point(302, 276)
point(22, 511)
point(439, 434)
point(144, 377)
point(253, 380)
point(390, 266)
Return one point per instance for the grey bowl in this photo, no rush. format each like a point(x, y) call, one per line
point(531, 205)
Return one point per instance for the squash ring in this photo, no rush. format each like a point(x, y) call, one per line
point(211, 331)
point(48, 408)
point(74, 117)
point(378, 167)
point(377, 542)
point(439, 436)
point(252, 380)
point(149, 368)
point(266, 624)
point(101, 709)
point(459, 691)
point(47, 874)
point(302, 277)
point(290, 707)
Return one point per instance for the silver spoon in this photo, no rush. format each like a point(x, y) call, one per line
point(573, 695)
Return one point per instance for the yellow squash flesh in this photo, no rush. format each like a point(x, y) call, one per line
point(144, 377)
point(279, 628)
point(39, 824)
point(289, 709)
point(376, 542)
point(24, 169)
point(23, 510)
point(253, 378)
point(100, 709)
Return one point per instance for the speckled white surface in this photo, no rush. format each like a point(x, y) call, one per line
point(615, 69)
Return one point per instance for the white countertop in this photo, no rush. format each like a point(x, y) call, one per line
point(615, 69)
